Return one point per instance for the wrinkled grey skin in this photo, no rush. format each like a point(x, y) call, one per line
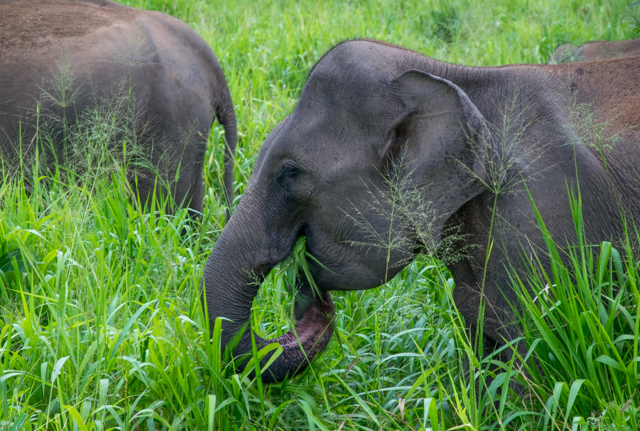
point(87, 51)
point(465, 139)
point(598, 50)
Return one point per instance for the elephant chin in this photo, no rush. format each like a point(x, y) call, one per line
point(310, 337)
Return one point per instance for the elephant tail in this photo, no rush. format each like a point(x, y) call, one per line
point(227, 117)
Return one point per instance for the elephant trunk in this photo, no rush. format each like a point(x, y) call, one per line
point(233, 273)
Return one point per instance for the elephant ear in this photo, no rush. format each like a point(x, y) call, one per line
point(439, 120)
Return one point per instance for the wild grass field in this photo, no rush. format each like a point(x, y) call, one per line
point(100, 319)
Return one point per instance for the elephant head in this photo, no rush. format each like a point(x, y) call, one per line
point(363, 137)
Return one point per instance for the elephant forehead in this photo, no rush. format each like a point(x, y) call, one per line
point(321, 142)
point(355, 83)
point(334, 116)
point(348, 97)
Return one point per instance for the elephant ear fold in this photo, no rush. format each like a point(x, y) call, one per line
point(437, 111)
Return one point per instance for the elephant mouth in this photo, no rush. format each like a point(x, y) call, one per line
point(306, 292)
point(314, 312)
point(305, 298)
point(315, 324)
point(300, 346)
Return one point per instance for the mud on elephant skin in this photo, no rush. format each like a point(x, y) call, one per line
point(461, 143)
point(65, 63)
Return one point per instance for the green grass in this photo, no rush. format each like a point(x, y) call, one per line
point(100, 319)
point(584, 326)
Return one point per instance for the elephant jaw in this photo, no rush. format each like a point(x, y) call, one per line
point(310, 337)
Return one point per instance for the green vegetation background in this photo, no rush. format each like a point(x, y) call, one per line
point(100, 326)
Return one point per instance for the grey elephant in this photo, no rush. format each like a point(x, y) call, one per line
point(597, 50)
point(388, 143)
point(63, 62)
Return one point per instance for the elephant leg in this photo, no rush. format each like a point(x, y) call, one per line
point(196, 199)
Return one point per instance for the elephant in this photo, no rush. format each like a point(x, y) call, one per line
point(597, 50)
point(64, 62)
point(389, 153)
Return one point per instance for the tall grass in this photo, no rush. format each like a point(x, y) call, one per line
point(582, 327)
point(100, 319)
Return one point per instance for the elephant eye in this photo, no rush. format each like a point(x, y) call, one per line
point(288, 170)
point(293, 180)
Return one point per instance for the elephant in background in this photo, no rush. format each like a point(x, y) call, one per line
point(66, 62)
point(598, 50)
point(388, 143)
